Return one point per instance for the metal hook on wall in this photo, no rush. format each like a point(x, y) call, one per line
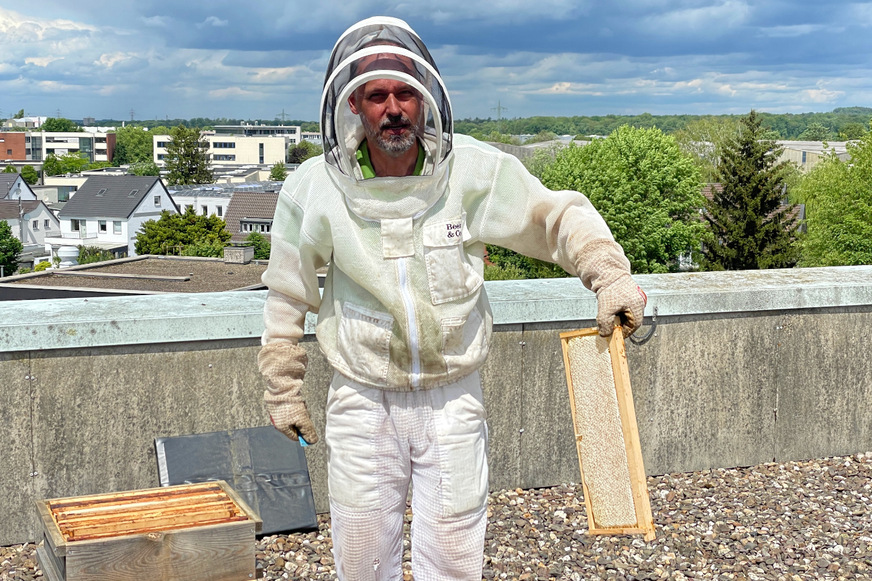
point(644, 339)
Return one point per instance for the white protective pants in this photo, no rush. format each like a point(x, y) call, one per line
point(377, 442)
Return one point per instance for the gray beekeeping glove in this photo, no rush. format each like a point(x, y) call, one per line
point(604, 269)
point(283, 365)
point(623, 299)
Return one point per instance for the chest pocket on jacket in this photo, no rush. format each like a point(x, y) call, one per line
point(449, 273)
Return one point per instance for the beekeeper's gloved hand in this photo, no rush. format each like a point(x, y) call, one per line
point(283, 365)
point(621, 298)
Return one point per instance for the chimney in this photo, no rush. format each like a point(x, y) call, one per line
point(238, 254)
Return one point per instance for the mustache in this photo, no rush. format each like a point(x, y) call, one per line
point(393, 122)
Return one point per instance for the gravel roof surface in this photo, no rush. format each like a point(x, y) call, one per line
point(787, 521)
point(206, 275)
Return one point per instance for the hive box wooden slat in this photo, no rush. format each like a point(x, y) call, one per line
point(191, 532)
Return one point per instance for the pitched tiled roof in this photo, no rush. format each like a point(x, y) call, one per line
point(249, 205)
point(9, 208)
point(6, 181)
point(108, 196)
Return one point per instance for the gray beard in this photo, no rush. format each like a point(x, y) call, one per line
point(393, 145)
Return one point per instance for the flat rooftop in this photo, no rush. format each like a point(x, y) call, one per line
point(151, 274)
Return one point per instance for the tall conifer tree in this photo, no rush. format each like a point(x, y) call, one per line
point(749, 226)
point(186, 159)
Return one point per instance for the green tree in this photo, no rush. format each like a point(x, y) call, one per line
point(815, 132)
point(67, 163)
point(505, 264)
point(186, 159)
point(541, 137)
point(59, 124)
point(702, 138)
point(173, 233)
point(302, 151)
point(133, 145)
point(19, 115)
point(10, 249)
point(645, 187)
point(261, 245)
point(851, 131)
point(144, 168)
point(278, 173)
point(89, 254)
point(748, 225)
point(838, 199)
point(10, 169)
point(30, 175)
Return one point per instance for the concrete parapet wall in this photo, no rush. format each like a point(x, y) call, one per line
point(742, 368)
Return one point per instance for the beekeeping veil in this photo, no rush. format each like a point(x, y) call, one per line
point(382, 48)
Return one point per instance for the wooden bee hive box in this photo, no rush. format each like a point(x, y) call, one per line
point(606, 434)
point(192, 532)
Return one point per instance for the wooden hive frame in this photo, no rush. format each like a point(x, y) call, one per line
point(608, 512)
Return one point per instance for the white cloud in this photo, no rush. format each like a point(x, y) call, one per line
point(42, 61)
point(109, 60)
point(821, 94)
point(156, 21)
point(213, 21)
point(712, 20)
point(232, 93)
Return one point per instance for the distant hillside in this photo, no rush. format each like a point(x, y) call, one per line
point(787, 125)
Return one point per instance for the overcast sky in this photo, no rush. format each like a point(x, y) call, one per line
point(256, 59)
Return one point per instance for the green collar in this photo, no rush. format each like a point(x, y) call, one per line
point(366, 163)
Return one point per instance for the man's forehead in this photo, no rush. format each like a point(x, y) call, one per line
point(389, 85)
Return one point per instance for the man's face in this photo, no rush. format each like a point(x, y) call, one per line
point(390, 112)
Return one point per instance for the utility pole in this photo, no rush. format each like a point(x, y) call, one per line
point(132, 113)
point(499, 109)
point(282, 115)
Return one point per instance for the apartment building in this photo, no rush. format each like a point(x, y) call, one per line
point(233, 149)
point(96, 146)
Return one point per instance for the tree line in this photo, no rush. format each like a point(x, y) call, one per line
point(842, 123)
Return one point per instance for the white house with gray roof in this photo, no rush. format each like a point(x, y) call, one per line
point(13, 187)
point(108, 211)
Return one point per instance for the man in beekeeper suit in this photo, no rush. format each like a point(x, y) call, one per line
point(400, 209)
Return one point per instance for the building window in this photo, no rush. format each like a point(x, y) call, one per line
point(46, 224)
point(157, 201)
point(116, 227)
point(36, 224)
point(8, 152)
point(224, 145)
point(101, 224)
point(205, 210)
point(223, 158)
point(220, 211)
point(74, 225)
point(162, 144)
point(260, 148)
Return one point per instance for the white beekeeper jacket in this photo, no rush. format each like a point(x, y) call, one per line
point(404, 306)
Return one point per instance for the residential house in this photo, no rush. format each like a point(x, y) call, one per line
point(31, 222)
point(108, 211)
point(251, 212)
point(13, 187)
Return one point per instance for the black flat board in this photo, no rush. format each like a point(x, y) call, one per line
point(263, 466)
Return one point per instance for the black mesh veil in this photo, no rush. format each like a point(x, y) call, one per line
point(377, 48)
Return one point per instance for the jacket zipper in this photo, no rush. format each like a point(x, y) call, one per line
point(409, 303)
